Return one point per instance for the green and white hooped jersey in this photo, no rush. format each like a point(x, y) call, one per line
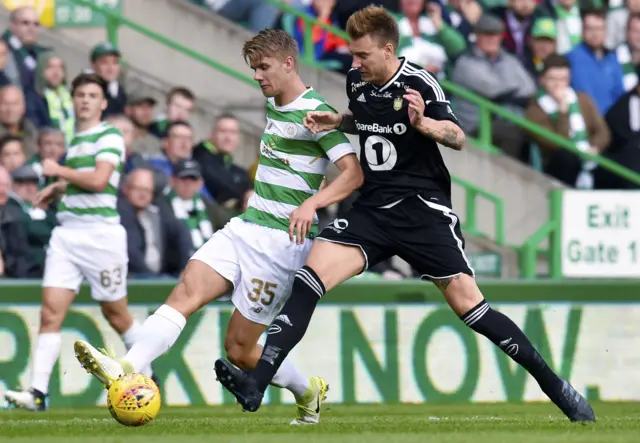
point(293, 161)
point(102, 143)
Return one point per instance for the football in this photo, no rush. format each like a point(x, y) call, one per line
point(134, 400)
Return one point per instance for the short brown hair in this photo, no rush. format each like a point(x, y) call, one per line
point(596, 12)
point(270, 43)
point(555, 61)
point(376, 22)
point(180, 90)
point(87, 78)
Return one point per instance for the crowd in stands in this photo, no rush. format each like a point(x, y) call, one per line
point(570, 66)
point(176, 191)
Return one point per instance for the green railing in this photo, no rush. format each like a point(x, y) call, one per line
point(486, 108)
point(530, 250)
point(472, 192)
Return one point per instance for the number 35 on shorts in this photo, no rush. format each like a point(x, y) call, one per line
point(262, 292)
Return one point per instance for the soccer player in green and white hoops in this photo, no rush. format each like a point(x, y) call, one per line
point(89, 241)
point(256, 255)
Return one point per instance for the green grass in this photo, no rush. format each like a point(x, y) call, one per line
point(477, 423)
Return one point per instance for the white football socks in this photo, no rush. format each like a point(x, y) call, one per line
point(158, 333)
point(290, 378)
point(130, 337)
point(46, 353)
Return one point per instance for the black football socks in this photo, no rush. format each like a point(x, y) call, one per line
point(505, 334)
point(289, 326)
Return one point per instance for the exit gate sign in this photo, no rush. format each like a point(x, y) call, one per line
point(600, 234)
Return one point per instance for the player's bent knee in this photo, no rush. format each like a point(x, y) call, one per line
point(461, 292)
point(323, 258)
point(199, 285)
point(117, 315)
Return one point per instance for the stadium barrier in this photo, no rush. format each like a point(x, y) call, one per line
point(373, 341)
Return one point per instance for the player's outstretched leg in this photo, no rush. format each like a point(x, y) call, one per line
point(55, 304)
point(200, 284)
point(464, 296)
point(328, 265)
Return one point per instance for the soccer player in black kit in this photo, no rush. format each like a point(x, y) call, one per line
point(401, 114)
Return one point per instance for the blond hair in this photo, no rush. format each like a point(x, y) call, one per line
point(270, 43)
point(376, 22)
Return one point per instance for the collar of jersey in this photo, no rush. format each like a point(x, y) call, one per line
point(284, 108)
point(403, 62)
point(92, 129)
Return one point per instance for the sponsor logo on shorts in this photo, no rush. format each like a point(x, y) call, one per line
point(274, 329)
point(398, 128)
point(339, 225)
point(257, 309)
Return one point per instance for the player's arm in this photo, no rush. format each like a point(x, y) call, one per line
point(435, 120)
point(109, 155)
point(95, 181)
point(348, 180)
point(348, 123)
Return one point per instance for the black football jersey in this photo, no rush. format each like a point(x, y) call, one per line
point(397, 160)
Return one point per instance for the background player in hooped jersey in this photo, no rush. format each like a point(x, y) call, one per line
point(257, 254)
point(89, 242)
point(400, 114)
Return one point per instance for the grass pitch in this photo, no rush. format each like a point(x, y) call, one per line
point(484, 423)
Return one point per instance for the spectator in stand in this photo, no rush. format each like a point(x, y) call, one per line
point(11, 153)
point(37, 222)
point(105, 61)
point(628, 53)
point(22, 39)
point(186, 202)
point(517, 19)
point(617, 19)
point(177, 145)
point(425, 39)
point(497, 75)
point(227, 183)
point(258, 14)
point(51, 144)
point(14, 249)
point(623, 119)
point(344, 8)
point(463, 14)
point(158, 243)
point(543, 43)
point(571, 114)
point(328, 48)
point(13, 120)
point(51, 84)
point(566, 14)
point(140, 110)
point(4, 60)
point(180, 104)
point(595, 70)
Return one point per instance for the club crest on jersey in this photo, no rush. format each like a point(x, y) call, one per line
point(397, 103)
point(290, 130)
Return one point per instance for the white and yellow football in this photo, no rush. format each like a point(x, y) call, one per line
point(134, 400)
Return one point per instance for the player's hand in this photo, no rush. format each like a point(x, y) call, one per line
point(43, 197)
point(416, 107)
point(50, 168)
point(301, 221)
point(320, 121)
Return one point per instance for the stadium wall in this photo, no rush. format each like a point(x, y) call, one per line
point(373, 342)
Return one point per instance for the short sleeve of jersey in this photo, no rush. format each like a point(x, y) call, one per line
point(437, 106)
point(111, 148)
point(334, 143)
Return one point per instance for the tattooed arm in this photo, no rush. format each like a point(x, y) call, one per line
point(445, 132)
